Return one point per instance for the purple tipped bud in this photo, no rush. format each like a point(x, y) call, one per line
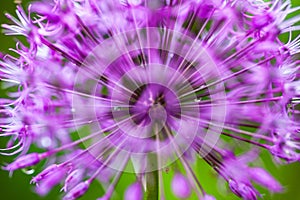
point(44, 173)
point(24, 161)
point(52, 178)
point(263, 178)
point(77, 191)
point(180, 186)
point(242, 190)
point(73, 179)
point(134, 192)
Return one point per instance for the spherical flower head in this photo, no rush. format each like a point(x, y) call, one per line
point(151, 87)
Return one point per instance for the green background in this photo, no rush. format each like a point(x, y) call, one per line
point(18, 187)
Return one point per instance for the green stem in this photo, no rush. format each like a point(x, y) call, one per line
point(152, 186)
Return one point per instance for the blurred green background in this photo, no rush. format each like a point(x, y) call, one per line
point(18, 187)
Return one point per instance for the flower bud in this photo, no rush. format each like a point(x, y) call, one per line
point(44, 173)
point(77, 191)
point(263, 178)
point(52, 178)
point(24, 161)
point(134, 192)
point(180, 186)
point(72, 179)
point(242, 190)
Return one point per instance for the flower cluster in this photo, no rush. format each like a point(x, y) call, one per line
point(103, 87)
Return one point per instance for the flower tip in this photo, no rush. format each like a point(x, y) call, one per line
point(32, 181)
point(19, 8)
point(5, 26)
point(29, 7)
point(8, 16)
point(41, 190)
point(23, 161)
point(72, 179)
point(180, 186)
point(63, 189)
point(6, 168)
point(134, 192)
point(263, 178)
point(77, 191)
point(242, 190)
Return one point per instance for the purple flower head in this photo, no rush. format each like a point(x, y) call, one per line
point(104, 87)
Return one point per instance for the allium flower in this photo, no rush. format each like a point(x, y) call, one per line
point(104, 87)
